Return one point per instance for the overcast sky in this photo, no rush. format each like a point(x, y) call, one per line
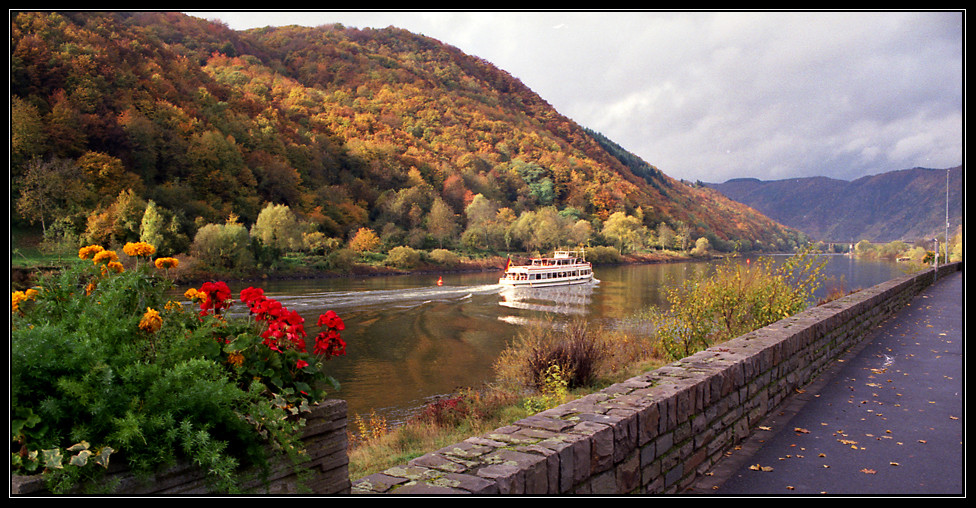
point(717, 95)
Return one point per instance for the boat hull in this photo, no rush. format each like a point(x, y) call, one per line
point(545, 283)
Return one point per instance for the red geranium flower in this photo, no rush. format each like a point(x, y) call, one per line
point(331, 320)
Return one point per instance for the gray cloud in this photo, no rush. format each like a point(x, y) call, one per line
point(717, 95)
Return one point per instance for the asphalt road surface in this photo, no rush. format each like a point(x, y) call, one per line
point(887, 420)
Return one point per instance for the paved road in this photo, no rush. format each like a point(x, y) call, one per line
point(888, 419)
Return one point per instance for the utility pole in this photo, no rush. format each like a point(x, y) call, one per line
point(947, 217)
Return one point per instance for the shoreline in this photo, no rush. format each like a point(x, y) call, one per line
point(23, 277)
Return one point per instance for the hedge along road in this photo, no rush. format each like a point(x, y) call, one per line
point(886, 420)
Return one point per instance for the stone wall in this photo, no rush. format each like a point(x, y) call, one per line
point(657, 432)
point(327, 471)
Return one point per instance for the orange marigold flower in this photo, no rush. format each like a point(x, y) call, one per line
point(16, 298)
point(193, 294)
point(138, 249)
point(89, 251)
point(151, 321)
point(167, 263)
point(235, 358)
point(116, 267)
point(105, 256)
point(89, 289)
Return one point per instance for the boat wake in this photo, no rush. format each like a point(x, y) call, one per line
point(405, 298)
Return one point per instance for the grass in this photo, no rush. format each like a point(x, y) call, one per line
point(28, 250)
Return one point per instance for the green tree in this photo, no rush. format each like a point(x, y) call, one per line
point(27, 136)
point(625, 231)
point(441, 222)
point(665, 236)
point(544, 229)
point(538, 180)
point(278, 227)
point(129, 210)
point(480, 214)
point(163, 229)
point(49, 190)
point(701, 247)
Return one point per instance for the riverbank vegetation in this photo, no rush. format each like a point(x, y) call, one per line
point(551, 362)
point(281, 244)
point(921, 252)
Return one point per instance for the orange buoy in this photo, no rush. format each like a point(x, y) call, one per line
point(440, 281)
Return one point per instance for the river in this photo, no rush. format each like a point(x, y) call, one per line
point(410, 340)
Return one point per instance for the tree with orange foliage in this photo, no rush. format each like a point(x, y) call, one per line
point(365, 240)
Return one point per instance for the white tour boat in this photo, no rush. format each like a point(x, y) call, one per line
point(563, 268)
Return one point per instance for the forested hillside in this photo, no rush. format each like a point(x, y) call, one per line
point(121, 115)
point(903, 205)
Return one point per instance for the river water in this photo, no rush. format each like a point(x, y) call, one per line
point(410, 340)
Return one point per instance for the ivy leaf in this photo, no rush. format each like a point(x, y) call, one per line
point(52, 458)
point(81, 459)
point(77, 447)
point(102, 458)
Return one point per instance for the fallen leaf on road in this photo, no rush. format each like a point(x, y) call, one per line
point(868, 471)
point(801, 431)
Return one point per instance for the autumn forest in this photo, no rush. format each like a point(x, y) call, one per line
point(165, 128)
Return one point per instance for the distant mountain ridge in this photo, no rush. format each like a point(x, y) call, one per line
point(907, 205)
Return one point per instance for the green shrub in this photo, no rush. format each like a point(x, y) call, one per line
point(444, 257)
point(342, 259)
point(716, 306)
point(223, 246)
point(103, 363)
point(602, 255)
point(403, 257)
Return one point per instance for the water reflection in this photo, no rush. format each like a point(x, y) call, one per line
point(572, 300)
